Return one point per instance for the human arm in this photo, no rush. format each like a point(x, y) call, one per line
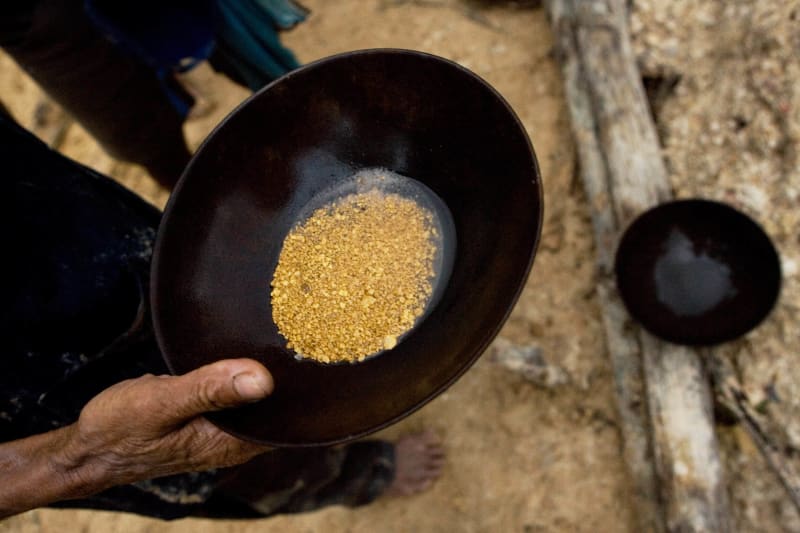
point(137, 429)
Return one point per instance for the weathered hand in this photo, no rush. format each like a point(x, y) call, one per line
point(152, 426)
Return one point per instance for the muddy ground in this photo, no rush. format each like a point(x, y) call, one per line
point(724, 82)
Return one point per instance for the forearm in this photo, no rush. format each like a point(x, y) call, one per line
point(107, 446)
point(35, 471)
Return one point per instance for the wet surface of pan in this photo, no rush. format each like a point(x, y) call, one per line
point(697, 272)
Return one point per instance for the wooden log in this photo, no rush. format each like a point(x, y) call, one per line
point(662, 393)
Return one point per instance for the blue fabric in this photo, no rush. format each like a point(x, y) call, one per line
point(175, 35)
point(283, 13)
point(247, 35)
point(167, 36)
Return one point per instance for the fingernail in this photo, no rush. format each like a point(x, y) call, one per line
point(250, 387)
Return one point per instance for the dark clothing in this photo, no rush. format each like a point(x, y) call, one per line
point(76, 320)
point(108, 63)
point(118, 99)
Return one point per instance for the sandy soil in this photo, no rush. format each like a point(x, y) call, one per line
point(524, 457)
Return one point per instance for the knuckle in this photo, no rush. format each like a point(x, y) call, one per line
point(208, 395)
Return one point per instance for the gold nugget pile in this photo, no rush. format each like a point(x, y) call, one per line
point(354, 276)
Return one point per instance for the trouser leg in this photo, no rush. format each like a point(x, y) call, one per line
point(114, 96)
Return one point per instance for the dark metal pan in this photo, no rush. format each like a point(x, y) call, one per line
point(415, 114)
point(697, 272)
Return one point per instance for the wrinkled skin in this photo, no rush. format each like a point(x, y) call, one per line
point(138, 429)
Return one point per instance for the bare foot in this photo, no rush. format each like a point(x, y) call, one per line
point(419, 459)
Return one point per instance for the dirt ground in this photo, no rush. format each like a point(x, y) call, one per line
point(524, 457)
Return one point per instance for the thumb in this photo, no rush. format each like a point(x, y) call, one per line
point(226, 383)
